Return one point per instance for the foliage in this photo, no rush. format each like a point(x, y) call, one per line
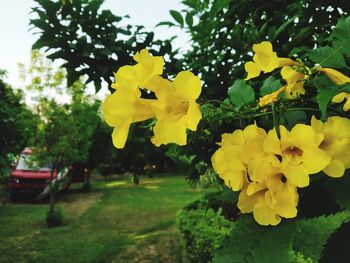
point(92, 47)
point(203, 230)
point(222, 33)
point(54, 217)
point(289, 133)
point(17, 124)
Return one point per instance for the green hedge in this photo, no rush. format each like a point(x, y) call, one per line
point(203, 231)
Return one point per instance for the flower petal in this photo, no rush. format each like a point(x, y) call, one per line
point(194, 115)
point(335, 169)
point(296, 174)
point(252, 69)
point(187, 85)
point(120, 134)
point(335, 76)
point(169, 132)
point(264, 214)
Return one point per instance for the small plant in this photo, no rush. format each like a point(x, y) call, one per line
point(54, 217)
point(135, 179)
point(86, 187)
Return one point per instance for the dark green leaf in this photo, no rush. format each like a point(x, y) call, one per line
point(341, 35)
point(165, 23)
point(270, 85)
point(295, 117)
point(337, 247)
point(325, 96)
point(338, 188)
point(328, 57)
point(250, 242)
point(312, 233)
point(241, 93)
point(218, 6)
point(283, 27)
point(189, 19)
point(177, 16)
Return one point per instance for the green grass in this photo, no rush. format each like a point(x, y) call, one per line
point(117, 222)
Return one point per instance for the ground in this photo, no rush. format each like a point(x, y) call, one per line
point(116, 222)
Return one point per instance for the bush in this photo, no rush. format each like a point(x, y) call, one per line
point(86, 187)
point(202, 231)
point(54, 217)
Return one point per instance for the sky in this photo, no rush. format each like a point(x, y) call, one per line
point(16, 39)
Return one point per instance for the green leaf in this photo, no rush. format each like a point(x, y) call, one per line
point(241, 93)
point(165, 23)
point(295, 117)
point(270, 85)
point(227, 195)
point(312, 233)
point(328, 57)
point(341, 35)
point(337, 247)
point(338, 189)
point(177, 16)
point(250, 242)
point(283, 27)
point(189, 19)
point(325, 96)
point(218, 5)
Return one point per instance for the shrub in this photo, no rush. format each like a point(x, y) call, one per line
point(202, 231)
point(87, 187)
point(54, 217)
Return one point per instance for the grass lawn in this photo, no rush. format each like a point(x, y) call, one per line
point(116, 222)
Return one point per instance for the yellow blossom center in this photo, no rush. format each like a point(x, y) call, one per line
point(294, 153)
point(178, 110)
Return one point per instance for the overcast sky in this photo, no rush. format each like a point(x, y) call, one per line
point(16, 40)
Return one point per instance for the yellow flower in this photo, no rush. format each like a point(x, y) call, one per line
point(137, 76)
point(265, 60)
point(270, 98)
point(335, 76)
point(122, 108)
point(176, 109)
point(339, 98)
point(336, 143)
point(295, 82)
point(299, 151)
point(230, 161)
point(271, 198)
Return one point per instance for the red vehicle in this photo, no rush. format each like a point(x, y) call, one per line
point(26, 178)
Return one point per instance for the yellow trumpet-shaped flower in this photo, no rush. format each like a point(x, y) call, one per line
point(137, 76)
point(121, 109)
point(272, 197)
point(176, 109)
point(299, 151)
point(270, 98)
point(295, 82)
point(334, 75)
point(336, 143)
point(265, 60)
point(339, 98)
point(230, 161)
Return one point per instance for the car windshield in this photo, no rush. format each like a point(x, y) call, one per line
point(25, 162)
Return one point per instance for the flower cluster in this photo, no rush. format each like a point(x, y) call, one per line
point(174, 108)
point(269, 169)
point(294, 73)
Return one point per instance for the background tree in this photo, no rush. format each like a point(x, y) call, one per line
point(66, 127)
point(222, 35)
point(93, 42)
point(17, 124)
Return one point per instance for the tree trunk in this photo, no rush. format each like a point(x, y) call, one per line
point(53, 189)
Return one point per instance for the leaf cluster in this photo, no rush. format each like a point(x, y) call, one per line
point(92, 42)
